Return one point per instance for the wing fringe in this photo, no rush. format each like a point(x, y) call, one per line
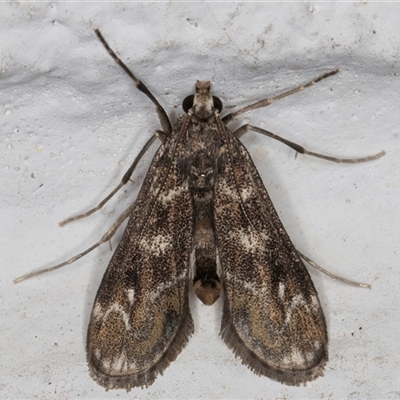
point(289, 377)
point(148, 376)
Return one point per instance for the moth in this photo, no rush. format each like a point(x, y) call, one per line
point(204, 218)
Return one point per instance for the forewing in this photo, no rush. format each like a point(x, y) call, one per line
point(272, 317)
point(140, 319)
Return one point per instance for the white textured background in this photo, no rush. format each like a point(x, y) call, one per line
point(72, 122)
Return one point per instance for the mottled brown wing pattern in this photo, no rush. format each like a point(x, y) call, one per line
point(141, 319)
point(203, 216)
point(272, 317)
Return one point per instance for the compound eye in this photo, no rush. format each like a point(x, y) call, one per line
point(217, 103)
point(187, 103)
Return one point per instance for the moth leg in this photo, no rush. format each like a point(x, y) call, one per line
point(333, 276)
point(123, 182)
point(162, 115)
point(266, 102)
point(162, 135)
point(300, 149)
point(106, 237)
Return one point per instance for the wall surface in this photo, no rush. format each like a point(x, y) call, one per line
point(72, 122)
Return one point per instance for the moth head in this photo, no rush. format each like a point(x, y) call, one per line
point(202, 103)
